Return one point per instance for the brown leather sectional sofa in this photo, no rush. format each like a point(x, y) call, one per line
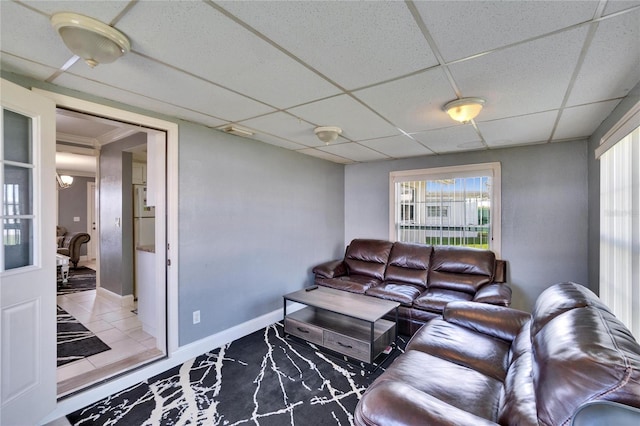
point(422, 278)
point(483, 364)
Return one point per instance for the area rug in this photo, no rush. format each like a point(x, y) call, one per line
point(80, 279)
point(260, 379)
point(75, 341)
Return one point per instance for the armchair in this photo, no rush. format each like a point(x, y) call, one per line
point(69, 244)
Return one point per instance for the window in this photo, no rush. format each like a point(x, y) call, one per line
point(619, 155)
point(447, 206)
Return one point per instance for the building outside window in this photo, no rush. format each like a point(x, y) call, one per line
point(457, 206)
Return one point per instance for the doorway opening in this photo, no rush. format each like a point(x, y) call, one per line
point(118, 323)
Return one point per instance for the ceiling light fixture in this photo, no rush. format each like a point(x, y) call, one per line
point(90, 39)
point(327, 134)
point(238, 131)
point(64, 181)
point(464, 109)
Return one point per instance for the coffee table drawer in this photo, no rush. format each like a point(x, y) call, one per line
point(347, 346)
point(303, 330)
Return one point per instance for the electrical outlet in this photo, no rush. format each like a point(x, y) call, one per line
point(196, 317)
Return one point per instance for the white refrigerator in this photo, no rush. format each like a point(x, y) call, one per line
point(144, 221)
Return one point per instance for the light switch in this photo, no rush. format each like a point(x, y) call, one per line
point(76, 219)
point(117, 222)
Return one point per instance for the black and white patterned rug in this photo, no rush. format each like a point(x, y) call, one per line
point(260, 379)
point(75, 341)
point(80, 279)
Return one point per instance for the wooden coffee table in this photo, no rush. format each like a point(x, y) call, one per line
point(348, 323)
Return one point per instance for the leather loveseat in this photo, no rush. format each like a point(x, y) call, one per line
point(423, 279)
point(482, 364)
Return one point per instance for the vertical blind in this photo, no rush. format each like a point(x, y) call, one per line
point(620, 230)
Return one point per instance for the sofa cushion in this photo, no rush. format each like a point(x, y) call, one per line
point(368, 257)
point(489, 356)
point(403, 293)
point(435, 299)
point(519, 401)
point(469, 390)
point(461, 268)
point(409, 264)
point(350, 283)
point(561, 298)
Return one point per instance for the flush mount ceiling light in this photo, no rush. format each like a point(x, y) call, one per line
point(464, 109)
point(90, 39)
point(327, 134)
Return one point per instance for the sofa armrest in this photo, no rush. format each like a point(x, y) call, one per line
point(497, 321)
point(331, 269)
point(398, 403)
point(495, 294)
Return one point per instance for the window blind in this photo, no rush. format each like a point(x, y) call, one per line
point(620, 229)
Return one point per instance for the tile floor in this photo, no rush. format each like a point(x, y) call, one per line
point(115, 325)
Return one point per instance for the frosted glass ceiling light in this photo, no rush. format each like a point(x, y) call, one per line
point(327, 134)
point(90, 39)
point(64, 181)
point(464, 109)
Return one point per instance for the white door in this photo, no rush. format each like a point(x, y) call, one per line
point(91, 220)
point(27, 256)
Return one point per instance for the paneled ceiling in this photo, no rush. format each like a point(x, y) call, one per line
point(550, 71)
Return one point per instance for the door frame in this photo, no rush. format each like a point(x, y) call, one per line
point(169, 264)
point(92, 225)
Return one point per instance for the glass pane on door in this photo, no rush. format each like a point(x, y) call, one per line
point(17, 190)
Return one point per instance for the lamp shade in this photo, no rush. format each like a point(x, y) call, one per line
point(465, 109)
point(90, 39)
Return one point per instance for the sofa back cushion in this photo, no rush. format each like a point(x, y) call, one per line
point(580, 354)
point(409, 263)
point(368, 257)
point(461, 268)
point(560, 298)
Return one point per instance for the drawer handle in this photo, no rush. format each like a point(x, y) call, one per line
point(302, 330)
point(345, 346)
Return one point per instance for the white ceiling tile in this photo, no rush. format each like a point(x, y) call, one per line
point(286, 126)
point(325, 156)
point(271, 140)
point(462, 137)
point(197, 38)
point(582, 121)
point(356, 120)
point(140, 75)
point(518, 130)
point(353, 151)
point(527, 78)
point(107, 92)
point(412, 103)
point(13, 64)
point(397, 146)
point(29, 35)
point(612, 65)
point(464, 28)
point(378, 39)
point(618, 5)
point(104, 11)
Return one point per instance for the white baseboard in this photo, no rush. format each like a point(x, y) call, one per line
point(182, 354)
point(124, 301)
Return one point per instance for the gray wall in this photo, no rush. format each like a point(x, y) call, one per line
point(594, 184)
point(72, 202)
point(254, 220)
point(116, 201)
point(544, 209)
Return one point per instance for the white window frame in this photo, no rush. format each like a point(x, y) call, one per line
point(492, 169)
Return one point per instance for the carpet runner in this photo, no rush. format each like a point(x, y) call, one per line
point(75, 341)
point(260, 379)
point(80, 279)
